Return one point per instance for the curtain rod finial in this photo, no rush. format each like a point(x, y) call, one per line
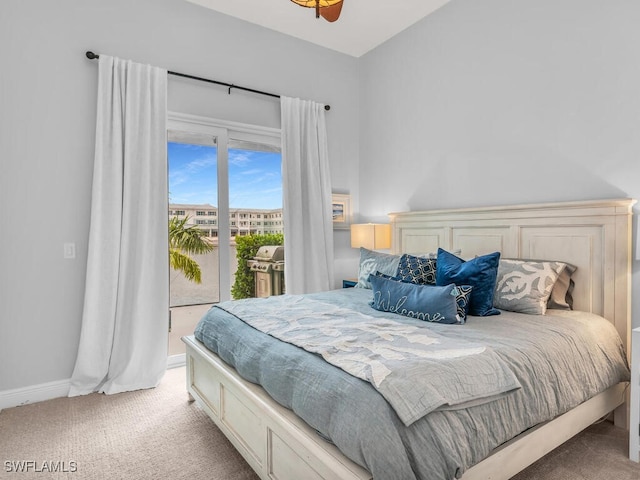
point(91, 56)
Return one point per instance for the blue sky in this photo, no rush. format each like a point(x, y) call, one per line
point(255, 178)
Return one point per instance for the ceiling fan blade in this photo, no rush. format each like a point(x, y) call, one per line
point(332, 13)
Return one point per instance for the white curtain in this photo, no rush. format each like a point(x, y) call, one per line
point(308, 221)
point(123, 341)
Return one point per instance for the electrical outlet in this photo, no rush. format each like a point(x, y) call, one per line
point(70, 250)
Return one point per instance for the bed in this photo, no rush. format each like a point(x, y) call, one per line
point(332, 424)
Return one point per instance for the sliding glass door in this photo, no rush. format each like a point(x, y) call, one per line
point(193, 218)
point(224, 181)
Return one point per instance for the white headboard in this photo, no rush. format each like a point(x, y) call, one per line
point(595, 236)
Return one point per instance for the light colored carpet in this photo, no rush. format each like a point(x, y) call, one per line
point(598, 453)
point(157, 434)
point(151, 434)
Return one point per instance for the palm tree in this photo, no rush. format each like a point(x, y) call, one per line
point(186, 240)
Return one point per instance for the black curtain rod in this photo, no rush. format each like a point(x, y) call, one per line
point(93, 56)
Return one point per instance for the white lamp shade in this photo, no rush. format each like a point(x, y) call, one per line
point(371, 235)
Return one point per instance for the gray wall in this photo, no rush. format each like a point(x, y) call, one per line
point(498, 102)
point(482, 103)
point(47, 130)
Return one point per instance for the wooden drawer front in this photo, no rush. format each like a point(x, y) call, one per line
point(285, 463)
point(205, 383)
point(243, 424)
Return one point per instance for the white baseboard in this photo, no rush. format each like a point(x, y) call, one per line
point(175, 361)
point(34, 393)
point(57, 389)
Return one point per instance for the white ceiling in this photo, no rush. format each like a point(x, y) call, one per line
point(362, 26)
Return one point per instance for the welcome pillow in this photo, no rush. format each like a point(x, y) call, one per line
point(423, 302)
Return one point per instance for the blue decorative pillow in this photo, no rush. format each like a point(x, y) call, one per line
point(384, 275)
point(371, 261)
point(423, 302)
point(418, 270)
point(462, 292)
point(463, 296)
point(480, 273)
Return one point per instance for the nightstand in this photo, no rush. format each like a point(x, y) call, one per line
point(634, 401)
point(349, 282)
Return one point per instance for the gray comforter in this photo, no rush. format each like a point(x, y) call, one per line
point(415, 369)
point(560, 360)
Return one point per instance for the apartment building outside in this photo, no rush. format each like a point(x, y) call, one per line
point(242, 221)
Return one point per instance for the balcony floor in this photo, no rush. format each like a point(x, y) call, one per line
point(183, 322)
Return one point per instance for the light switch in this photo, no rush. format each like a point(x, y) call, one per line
point(70, 250)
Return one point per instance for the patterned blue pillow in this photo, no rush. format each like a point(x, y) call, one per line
point(480, 273)
point(418, 270)
point(423, 302)
point(463, 295)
